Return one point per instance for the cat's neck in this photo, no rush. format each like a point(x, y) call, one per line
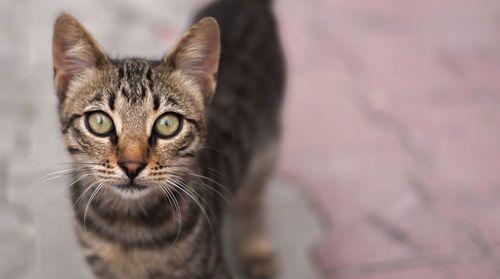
point(157, 219)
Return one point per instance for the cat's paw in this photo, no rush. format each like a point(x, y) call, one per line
point(258, 258)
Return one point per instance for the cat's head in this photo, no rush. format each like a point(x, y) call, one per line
point(134, 125)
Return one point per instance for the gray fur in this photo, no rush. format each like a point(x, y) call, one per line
point(228, 141)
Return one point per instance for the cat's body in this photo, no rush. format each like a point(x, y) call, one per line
point(147, 204)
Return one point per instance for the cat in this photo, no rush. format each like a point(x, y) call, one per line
point(160, 150)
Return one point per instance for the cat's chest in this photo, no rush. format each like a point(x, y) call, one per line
point(137, 263)
point(167, 261)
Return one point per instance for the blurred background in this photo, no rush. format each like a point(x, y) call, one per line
point(391, 148)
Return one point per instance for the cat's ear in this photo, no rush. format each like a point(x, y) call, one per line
point(74, 52)
point(196, 55)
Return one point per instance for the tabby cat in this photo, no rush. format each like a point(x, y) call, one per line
point(159, 150)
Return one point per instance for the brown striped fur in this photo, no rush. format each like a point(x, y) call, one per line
point(166, 222)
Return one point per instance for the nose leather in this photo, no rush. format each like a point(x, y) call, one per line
point(132, 168)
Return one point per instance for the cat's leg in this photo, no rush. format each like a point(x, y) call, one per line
point(97, 264)
point(99, 267)
point(257, 254)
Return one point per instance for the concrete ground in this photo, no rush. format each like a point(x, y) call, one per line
point(391, 146)
point(36, 234)
point(393, 126)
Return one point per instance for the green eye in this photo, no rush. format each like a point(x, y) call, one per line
point(167, 125)
point(99, 123)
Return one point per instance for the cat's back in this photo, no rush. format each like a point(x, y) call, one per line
point(244, 115)
point(251, 70)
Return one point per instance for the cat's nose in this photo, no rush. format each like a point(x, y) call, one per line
point(132, 168)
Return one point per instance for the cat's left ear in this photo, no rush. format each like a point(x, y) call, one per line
point(74, 51)
point(197, 54)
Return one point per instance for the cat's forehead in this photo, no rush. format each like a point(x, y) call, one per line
point(134, 79)
point(137, 89)
point(134, 90)
point(148, 85)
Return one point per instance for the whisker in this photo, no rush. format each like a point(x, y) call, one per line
point(84, 192)
point(214, 172)
point(202, 184)
point(172, 200)
point(186, 185)
point(53, 175)
point(210, 187)
point(77, 163)
point(179, 212)
point(200, 177)
point(193, 197)
point(56, 175)
point(190, 171)
point(72, 183)
point(94, 194)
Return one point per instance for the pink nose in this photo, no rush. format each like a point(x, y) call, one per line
point(132, 168)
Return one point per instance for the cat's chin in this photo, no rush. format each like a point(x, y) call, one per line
point(131, 192)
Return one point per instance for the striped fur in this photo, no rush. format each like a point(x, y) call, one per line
point(166, 222)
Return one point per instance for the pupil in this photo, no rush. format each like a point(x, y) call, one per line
point(166, 122)
point(100, 120)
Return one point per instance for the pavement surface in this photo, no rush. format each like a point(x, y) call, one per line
point(36, 235)
point(392, 124)
point(390, 151)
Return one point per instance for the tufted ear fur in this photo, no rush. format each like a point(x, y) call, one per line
point(74, 51)
point(196, 55)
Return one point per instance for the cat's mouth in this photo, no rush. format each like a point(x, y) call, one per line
point(131, 190)
point(132, 187)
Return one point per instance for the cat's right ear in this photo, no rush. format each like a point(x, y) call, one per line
point(74, 52)
point(197, 54)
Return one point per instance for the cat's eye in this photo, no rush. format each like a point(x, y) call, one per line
point(99, 123)
point(168, 125)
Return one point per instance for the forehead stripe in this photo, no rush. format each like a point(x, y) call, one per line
point(172, 100)
point(120, 72)
point(97, 98)
point(149, 78)
point(156, 102)
point(70, 122)
point(111, 100)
